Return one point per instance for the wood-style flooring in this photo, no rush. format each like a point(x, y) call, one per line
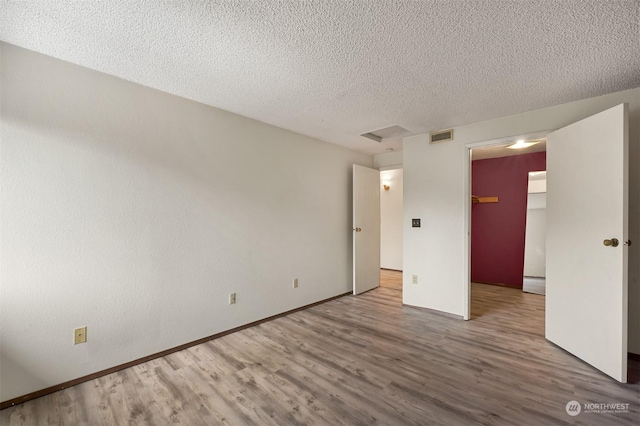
point(391, 279)
point(356, 360)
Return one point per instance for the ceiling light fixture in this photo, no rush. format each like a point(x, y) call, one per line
point(521, 144)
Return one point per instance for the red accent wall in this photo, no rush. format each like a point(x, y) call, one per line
point(498, 229)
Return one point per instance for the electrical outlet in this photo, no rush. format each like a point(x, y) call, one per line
point(295, 283)
point(232, 298)
point(414, 279)
point(80, 335)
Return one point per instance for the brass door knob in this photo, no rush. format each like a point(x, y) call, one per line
point(612, 242)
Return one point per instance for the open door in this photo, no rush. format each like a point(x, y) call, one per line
point(366, 229)
point(587, 193)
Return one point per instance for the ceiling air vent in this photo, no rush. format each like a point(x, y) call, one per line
point(441, 136)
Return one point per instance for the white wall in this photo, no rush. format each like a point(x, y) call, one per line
point(391, 220)
point(434, 180)
point(536, 233)
point(387, 160)
point(537, 186)
point(135, 213)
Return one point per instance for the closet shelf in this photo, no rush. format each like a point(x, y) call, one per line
point(481, 200)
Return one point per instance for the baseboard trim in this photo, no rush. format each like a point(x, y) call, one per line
point(435, 311)
point(61, 386)
point(389, 269)
point(497, 284)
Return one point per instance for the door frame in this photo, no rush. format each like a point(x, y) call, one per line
point(382, 169)
point(466, 293)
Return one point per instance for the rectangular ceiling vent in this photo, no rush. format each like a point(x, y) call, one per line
point(387, 134)
point(441, 136)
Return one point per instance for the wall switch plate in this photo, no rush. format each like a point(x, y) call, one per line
point(232, 298)
point(415, 223)
point(295, 283)
point(79, 335)
point(414, 279)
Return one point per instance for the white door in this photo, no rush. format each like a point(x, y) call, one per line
point(587, 193)
point(366, 229)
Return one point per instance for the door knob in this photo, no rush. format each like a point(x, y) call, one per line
point(612, 242)
point(627, 243)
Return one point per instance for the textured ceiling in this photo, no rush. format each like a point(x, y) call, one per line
point(337, 69)
point(498, 151)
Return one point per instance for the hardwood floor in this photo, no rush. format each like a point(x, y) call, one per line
point(506, 308)
point(391, 279)
point(355, 360)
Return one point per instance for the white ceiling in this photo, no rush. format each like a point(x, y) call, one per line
point(337, 69)
point(498, 151)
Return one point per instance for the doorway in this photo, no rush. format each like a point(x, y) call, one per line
point(391, 204)
point(483, 150)
point(586, 241)
point(535, 234)
point(377, 225)
point(391, 228)
point(499, 207)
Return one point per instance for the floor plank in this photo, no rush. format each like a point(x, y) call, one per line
point(389, 279)
point(356, 360)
